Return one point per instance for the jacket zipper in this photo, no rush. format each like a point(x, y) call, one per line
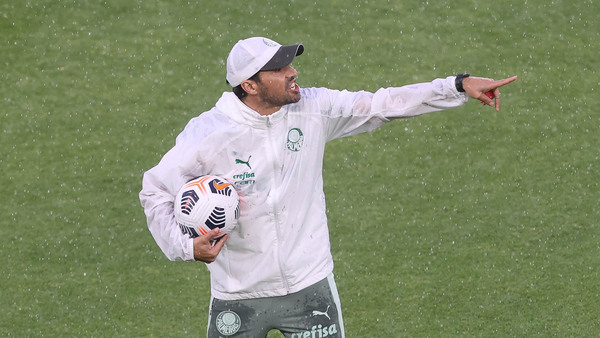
point(274, 207)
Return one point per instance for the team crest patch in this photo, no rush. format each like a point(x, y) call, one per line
point(295, 139)
point(228, 323)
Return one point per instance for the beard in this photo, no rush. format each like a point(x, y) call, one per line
point(279, 98)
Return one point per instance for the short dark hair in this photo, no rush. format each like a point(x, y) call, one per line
point(240, 92)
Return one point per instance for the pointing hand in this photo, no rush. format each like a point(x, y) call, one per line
point(486, 90)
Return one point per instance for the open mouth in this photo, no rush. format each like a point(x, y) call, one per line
point(293, 85)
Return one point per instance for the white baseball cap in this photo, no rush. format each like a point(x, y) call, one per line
point(252, 55)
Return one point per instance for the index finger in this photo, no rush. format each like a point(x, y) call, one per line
point(220, 243)
point(500, 83)
point(213, 234)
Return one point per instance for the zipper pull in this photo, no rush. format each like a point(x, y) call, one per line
point(268, 121)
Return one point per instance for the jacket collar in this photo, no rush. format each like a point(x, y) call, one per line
point(236, 110)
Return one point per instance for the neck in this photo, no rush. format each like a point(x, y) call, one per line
point(259, 106)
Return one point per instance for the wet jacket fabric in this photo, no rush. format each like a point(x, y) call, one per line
point(281, 244)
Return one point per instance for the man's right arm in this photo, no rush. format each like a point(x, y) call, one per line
point(157, 200)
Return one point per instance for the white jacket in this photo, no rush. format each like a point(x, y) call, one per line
point(281, 244)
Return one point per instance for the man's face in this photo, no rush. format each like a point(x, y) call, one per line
point(278, 87)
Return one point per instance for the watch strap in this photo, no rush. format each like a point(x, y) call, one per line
point(458, 82)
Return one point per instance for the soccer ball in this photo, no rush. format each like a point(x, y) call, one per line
point(205, 203)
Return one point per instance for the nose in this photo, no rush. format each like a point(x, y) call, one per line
point(291, 71)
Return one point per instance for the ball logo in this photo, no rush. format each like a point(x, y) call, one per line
point(228, 323)
point(295, 139)
point(218, 187)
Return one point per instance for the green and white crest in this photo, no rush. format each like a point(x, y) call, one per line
point(295, 139)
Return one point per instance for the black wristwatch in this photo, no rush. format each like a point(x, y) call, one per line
point(459, 81)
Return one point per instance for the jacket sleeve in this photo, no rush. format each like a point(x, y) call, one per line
point(159, 187)
point(350, 113)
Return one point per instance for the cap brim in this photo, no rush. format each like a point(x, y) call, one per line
point(284, 56)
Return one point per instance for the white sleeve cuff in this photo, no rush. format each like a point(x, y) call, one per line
point(188, 250)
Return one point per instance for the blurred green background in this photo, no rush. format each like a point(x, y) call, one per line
point(467, 222)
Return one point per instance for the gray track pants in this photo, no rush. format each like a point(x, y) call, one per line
point(314, 312)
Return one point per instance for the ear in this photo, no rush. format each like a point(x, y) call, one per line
point(250, 87)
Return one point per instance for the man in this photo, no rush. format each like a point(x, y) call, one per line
point(267, 138)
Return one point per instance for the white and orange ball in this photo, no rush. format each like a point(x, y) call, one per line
point(205, 203)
